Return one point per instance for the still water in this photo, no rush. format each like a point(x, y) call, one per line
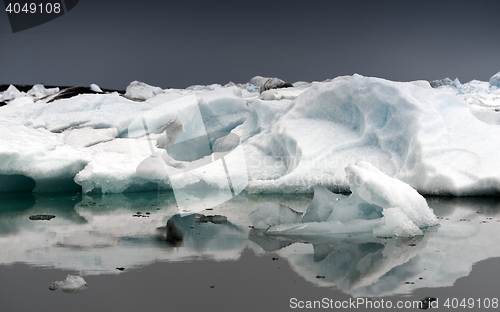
point(136, 252)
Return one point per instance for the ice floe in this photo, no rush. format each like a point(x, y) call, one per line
point(72, 284)
point(378, 204)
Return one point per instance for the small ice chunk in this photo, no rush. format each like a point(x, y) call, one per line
point(72, 284)
point(10, 94)
point(270, 214)
point(495, 80)
point(142, 91)
point(38, 91)
point(379, 204)
point(95, 88)
point(376, 188)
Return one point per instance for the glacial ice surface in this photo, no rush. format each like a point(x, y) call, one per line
point(379, 204)
point(440, 141)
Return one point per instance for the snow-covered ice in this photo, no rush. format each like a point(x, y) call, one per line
point(440, 141)
point(142, 91)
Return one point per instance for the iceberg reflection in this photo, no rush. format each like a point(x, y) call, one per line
point(99, 233)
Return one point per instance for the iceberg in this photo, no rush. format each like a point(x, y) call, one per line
point(425, 137)
point(440, 141)
point(379, 204)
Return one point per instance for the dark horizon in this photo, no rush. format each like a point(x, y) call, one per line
point(182, 44)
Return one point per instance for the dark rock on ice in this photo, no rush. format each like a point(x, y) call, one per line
point(218, 219)
point(440, 82)
point(265, 83)
point(71, 92)
point(68, 92)
point(274, 83)
point(41, 217)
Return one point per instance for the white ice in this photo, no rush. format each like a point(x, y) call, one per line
point(142, 91)
point(379, 204)
point(72, 284)
point(441, 141)
point(495, 80)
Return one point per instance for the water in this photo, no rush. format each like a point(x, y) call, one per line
point(135, 251)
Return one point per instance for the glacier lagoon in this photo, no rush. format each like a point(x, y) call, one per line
point(135, 248)
point(438, 138)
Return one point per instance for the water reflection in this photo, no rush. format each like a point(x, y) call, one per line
point(99, 233)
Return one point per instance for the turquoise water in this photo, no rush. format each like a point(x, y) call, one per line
point(144, 236)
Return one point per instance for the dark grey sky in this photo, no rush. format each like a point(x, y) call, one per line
point(112, 43)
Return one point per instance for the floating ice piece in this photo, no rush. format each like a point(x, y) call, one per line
point(10, 94)
point(72, 284)
point(379, 204)
point(39, 91)
point(95, 88)
point(265, 83)
point(142, 91)
point(495, 80)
